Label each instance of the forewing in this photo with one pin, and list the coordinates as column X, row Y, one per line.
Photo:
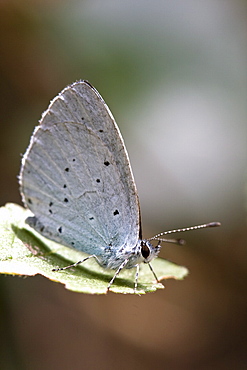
column 76, row 177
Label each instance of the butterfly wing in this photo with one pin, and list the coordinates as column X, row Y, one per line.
column 76, row 176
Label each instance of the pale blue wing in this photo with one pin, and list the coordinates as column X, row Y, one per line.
column 76, row 176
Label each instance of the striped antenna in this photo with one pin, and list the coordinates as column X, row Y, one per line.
column 181, row 241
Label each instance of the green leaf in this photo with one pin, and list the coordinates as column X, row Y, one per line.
column 25, row 252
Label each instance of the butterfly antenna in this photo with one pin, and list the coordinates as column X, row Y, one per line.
column 181, row 241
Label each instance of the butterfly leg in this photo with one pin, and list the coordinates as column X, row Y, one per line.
column 154, row 274
column 116, row 273
column 74, row 264
column 136, row 277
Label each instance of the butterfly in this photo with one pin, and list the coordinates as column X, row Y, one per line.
column 77, row 180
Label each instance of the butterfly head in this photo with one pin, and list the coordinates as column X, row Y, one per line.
column 148, row 251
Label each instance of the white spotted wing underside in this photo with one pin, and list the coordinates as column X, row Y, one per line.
column 76, row 177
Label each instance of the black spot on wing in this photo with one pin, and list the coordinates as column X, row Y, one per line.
column 50, row 205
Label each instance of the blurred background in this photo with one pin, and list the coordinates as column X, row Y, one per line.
column 174, row 75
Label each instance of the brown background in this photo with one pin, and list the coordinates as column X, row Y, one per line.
column 148, row 60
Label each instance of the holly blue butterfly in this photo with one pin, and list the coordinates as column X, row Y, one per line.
column 77, row 181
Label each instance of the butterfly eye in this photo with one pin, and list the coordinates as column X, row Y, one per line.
column 145, row 250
